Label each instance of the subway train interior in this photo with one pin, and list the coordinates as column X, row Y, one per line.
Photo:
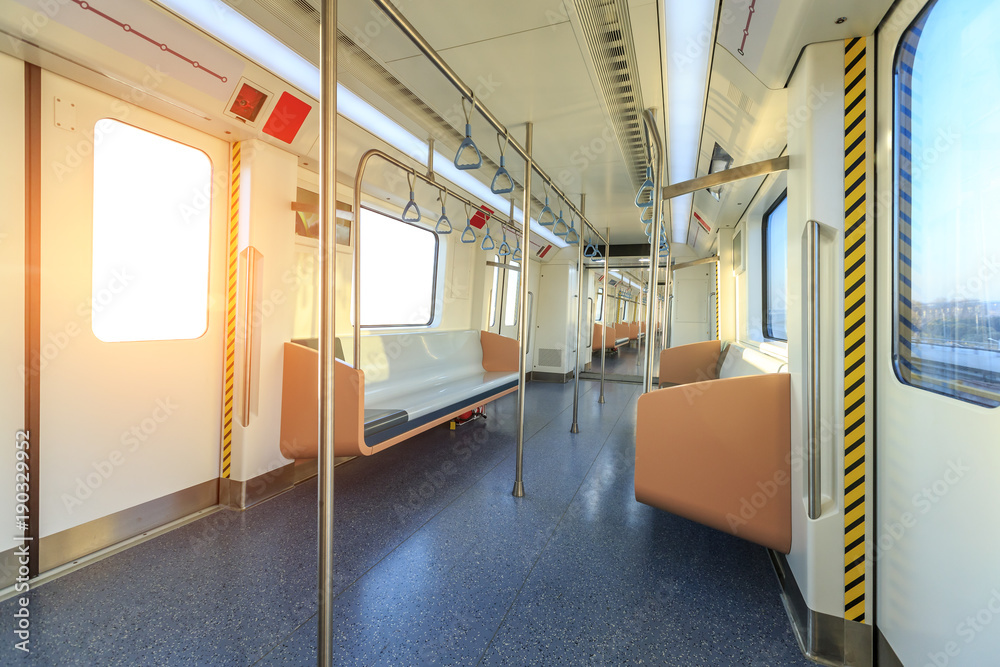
column 399, row 332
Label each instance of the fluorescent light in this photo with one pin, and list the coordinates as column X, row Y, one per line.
column 687, row 82
column 229, row 26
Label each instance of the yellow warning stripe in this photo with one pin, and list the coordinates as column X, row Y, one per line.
column 230, row 356
column 717, row 293
column 855, row 326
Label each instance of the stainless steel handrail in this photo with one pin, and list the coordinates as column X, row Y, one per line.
column 467, row 92
column 590, row 322
column 814, row 469
column 653, row 133
column 604, row 319
column 328, row 330
column 575, row 428
column 531, row 302
column 522, row 320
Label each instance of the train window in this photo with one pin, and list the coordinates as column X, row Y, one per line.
column 494, row 296
column 398, row 272
column 513, row 284
column 152, row 222
column 947, row 242
column 600, row 304
column 775, row 244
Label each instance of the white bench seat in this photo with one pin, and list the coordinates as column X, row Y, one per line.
column 407, row 383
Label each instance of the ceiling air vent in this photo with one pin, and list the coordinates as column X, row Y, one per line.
column 740, row 99
column 608, row 32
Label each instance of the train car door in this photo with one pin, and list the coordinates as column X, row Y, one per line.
column 132, row 305
column 693, row 319
column 938, row 359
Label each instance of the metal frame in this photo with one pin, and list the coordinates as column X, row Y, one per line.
column 359, row 178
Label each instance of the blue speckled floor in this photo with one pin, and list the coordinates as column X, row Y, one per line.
column 438, row 564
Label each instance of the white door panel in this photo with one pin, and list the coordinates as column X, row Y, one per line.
column 938, row 585
column 123, row 423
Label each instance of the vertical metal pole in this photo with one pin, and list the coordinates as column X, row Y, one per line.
column 654, row 242
column 328, row 331
column 522, row 318
column 575, row 428
column 668, row 299
column 604, row 313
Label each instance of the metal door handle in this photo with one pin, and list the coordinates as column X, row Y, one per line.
column 813, row 435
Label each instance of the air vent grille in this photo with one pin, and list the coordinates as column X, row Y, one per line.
column 550, row 357
column 740, row 99
column 608, row 32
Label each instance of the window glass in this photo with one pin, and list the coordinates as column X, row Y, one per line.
column 947, row 184
column 152, row 224
column 600, row 304
column 494, row 295
column 776, row 268
column 398, row 272
column 513, row 284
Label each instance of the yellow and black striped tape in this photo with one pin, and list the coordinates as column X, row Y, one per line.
column 855, row 292
column 718, row 292
column 230, row 354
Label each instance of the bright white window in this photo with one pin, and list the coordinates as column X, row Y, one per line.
column 494, row 296
column 513, row 288
column 152, row 223
column 398, row 272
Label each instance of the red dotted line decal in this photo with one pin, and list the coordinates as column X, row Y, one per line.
column 163, row 47
column 746, row 30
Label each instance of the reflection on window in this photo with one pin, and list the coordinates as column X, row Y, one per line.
column 494, row 295
column 398, row 272
column 306, row 284
column 947, row 185
column 513, row 284
column 152, row 223
column 600, row 304
column 776, row 268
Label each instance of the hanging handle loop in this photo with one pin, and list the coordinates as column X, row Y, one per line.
column 492, row 245
column 443, row 222
column 412, row 212
column 547, row 217
column 468, row 234
column 474, row 160
column 644, row 197
column 502, row 182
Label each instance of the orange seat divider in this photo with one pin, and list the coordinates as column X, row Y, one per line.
column 719, row 453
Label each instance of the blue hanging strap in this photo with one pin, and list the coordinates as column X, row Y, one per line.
column 560, row 228
column 443, row 221
column 468, row 234
column 468, row 145
column 645, row 191
column 489, row 238
column 502, row 182
column 412, row 212
column 516, row 255
column 546, row 211
column 646, row 219
column 504, row 250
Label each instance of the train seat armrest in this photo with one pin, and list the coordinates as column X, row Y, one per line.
column 719, row 453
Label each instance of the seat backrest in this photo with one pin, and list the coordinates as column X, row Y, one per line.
column 399, row 363
column 738, row 361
